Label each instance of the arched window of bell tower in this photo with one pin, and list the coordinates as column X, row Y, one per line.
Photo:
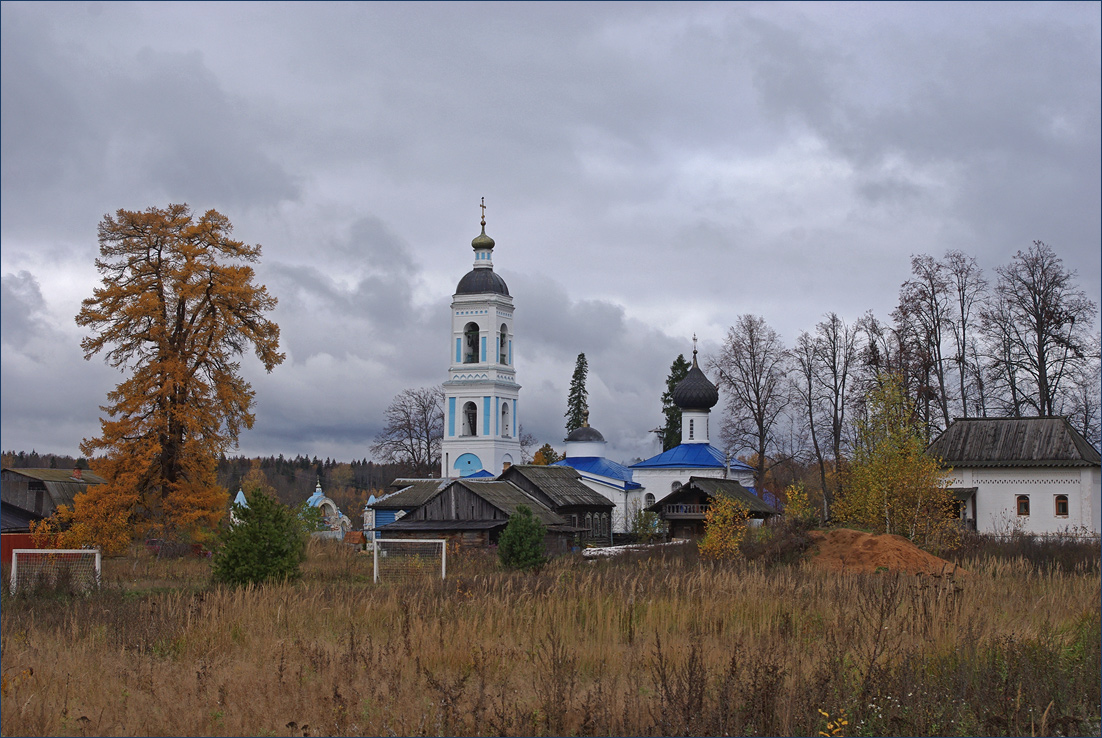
column 505, row 420
column 470, row 343
column 503, row 345
column 470, row 419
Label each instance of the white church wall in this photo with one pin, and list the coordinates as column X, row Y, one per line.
column 660, row 482
column 998, row 490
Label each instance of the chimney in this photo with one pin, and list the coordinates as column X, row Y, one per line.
column 76, row 474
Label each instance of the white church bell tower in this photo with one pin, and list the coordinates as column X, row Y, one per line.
column 480, row 394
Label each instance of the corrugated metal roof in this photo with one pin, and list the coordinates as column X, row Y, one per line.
column 561, row 483
column 57, row 475
column 730, row 488
column 1013, row 442
column 15, row 519
column 602, row 467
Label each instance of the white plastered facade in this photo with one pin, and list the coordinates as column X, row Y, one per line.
column 998, row 493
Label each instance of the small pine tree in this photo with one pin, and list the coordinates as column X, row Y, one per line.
column 671, row 431
column 577, row 402
column 267, row 544
column 521, row 543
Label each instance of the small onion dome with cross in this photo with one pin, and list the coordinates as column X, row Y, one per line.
column 482, row 278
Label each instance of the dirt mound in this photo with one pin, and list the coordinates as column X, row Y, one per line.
column 843, row 549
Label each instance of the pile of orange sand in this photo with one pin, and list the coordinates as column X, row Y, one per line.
column 843, row 549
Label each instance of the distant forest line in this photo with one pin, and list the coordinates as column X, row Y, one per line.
column 349, row 484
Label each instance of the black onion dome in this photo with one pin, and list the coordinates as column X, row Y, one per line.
column 478, row 281
column 585, row 433
column 695, row 391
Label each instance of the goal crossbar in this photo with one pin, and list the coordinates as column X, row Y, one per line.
column 384, row 547
column 32, row 566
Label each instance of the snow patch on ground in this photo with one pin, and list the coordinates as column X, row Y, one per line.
column 596, row 553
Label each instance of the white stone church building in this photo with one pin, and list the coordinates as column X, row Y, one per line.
column 481, row 399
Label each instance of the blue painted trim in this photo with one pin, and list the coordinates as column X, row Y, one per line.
column 459, row 351
column 483, row 347
column 497, row 416
column 510, row 352
column 486, row 416
column 451, row 416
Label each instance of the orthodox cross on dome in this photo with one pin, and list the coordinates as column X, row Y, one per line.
column 694, row 349
column 483, row 206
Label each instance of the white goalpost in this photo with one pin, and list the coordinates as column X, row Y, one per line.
column 404, row 558
column 72, row 568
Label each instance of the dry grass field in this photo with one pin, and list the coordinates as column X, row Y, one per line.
column 649, row 644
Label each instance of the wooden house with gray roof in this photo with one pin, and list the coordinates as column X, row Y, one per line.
column 684, row 509
column 1035, row 475
column 474, row 512
column 561, row 489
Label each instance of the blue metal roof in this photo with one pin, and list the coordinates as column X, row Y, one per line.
column 600, row 466
column 480, row 474
column 690, row 456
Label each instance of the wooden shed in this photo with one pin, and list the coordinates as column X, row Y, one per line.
column 561, row 488
column 474, row 512
column 685, row 509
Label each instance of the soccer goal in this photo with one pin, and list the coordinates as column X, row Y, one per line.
column 74, row 569
column 399, row 559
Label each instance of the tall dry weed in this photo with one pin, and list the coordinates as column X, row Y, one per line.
column 653, row 644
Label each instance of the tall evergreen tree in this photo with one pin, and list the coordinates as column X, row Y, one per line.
column 671, row 431
column 577, row 402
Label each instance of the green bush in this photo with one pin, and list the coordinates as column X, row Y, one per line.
column 266, row 544
column 521, row 543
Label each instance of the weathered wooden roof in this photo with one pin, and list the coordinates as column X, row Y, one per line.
column 414, row 494
column 562, row 484
column 1017, row 442
column 731, row 488
column 506, row 496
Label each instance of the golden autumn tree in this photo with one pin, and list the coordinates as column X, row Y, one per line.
column 177, row 308
column 725, row 524
column 892, row 485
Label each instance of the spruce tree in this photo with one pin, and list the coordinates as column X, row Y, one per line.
column 671, row 431
column 577, row 402
column 521, row 543
column 266, row 544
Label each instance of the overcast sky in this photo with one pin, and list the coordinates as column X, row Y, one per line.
column 650, row 171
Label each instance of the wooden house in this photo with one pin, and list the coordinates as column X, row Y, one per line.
column 404, row 495
column 1034, row 475
column 684, row 509
column 475, row 512
column 562, row 489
